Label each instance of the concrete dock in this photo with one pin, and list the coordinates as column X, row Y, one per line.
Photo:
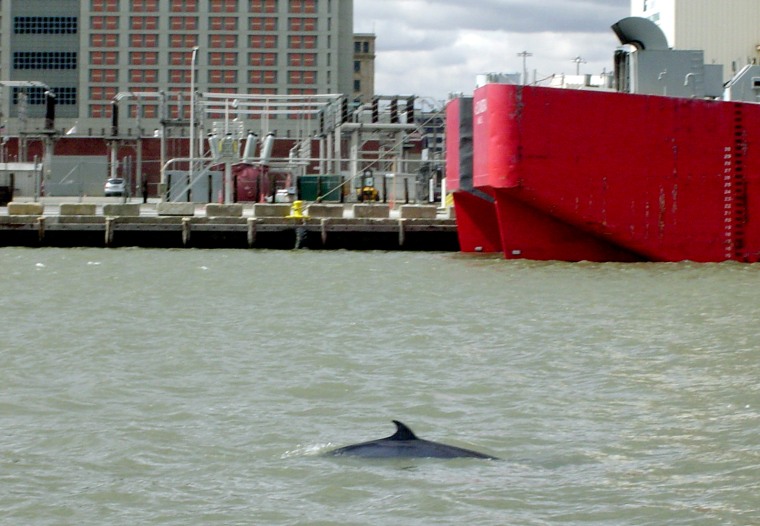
column 115, row 222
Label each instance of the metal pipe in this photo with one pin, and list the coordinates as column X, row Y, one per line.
column 192, row 111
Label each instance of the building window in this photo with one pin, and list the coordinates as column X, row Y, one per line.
column 45, row 60
column 308, row 60
column 302, row 41
column 104, row 75
column 143, row 22
column 223, row 23
column 302, row 6
column 262, row 76
column 262, row 23
column 183, row 6
column 302, row 24
column 357, row 85
column 110, row 6
column 45, row 25
column 143, row 58
column 262, row 41
column 189, row 23
column 144, row 6
column 222, row 41
column 223, row 6
column 104, row 22
column 104, row 40
column 98, row 111
column 262, row 59
column 261, row 91
column 263, row 6
column 110, row 58
column 102, row 93
column 302, row 77
column 143, row 40
column 143, row 75
column 182, row 41
column 179, row 76
column 222, row 76
column 180, row 58
column 222, row 59
column 357, row 66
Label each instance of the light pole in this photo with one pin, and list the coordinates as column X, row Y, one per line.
column 192, row 114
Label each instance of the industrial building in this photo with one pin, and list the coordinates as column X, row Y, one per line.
column 89, row 51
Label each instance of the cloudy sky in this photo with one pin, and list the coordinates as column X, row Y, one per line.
column 436, row 47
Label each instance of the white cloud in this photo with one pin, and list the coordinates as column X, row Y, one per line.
column 433, row 48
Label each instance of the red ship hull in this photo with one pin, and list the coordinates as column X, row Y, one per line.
column 583, row 175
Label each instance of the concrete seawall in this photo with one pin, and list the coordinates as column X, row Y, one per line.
column 219, row 226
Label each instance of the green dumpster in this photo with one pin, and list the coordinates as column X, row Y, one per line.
column 328, row 187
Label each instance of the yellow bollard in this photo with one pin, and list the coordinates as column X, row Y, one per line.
column 296, row 210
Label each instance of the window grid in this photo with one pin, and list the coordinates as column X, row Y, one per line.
column 36, row 96
column 45, row 25
column 45, row 60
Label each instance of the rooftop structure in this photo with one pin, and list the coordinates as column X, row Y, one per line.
column 364, row 67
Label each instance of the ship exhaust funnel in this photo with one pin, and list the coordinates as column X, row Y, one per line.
column 641, row 33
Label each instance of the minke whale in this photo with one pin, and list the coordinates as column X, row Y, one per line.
column 405, row 444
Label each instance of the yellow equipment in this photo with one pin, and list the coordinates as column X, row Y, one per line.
column 367, row 190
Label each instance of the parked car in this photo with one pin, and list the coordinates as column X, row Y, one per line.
column 115, row 186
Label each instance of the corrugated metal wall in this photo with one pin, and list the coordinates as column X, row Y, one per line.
column 728, row 30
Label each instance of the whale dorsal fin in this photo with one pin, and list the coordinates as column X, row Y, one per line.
column 402, row 432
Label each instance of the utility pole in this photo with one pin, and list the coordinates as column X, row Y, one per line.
column 578, row 61
column 525, row 55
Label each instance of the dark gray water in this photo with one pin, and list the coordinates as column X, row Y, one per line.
column 200, row 387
